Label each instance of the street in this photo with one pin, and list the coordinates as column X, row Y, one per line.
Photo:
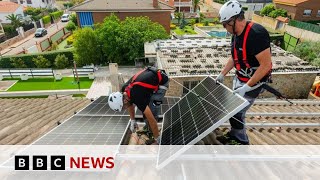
column 31, row 40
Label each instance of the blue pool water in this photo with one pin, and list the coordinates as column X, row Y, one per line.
column 217, row 33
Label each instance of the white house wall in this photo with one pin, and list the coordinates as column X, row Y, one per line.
column 38, row 3
column 3, row 15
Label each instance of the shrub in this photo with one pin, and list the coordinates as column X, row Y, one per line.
column 57, row 14
column 54, row 46
column 61, row 61
column 70, row 40
column 173, row 26
column 9, row 29
column 27, row 58
column 309, row 51
column 68, row 4
column 17, row 63
column 206, row 23
column 41, row 62
column 192, row 22
column 46, row 19
column 71, row 26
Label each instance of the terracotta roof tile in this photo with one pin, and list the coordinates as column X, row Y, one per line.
column 289, row 2
column 8, row 7
column 124, row 5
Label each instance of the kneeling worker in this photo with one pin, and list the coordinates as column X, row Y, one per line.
column 146, row 90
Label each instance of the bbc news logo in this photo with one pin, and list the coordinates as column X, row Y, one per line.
column 59, row 162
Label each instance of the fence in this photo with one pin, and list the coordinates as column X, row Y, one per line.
column 56, row 37
column 305, row 26
column 8, row 36
column 290, row 42
column 28, row 27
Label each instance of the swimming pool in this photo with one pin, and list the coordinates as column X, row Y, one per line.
column 221, row 34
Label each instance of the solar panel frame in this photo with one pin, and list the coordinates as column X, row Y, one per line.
column 176, row 108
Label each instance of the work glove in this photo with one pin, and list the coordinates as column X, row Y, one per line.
column 220, row 78
column 242, row 90
column 157, row 141
column 133, row 126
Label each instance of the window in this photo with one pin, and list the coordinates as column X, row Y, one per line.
column 29, row 2
column 318, row 14
column 188, row 85
column 307, row 12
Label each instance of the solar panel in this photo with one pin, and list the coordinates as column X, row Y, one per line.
column 168, row 102
column 100, row 107
column 87, row 130
column 198, row 113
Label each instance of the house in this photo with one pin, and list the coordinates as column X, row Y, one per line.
column 254, row 5
column 35, row 3
column 8, row 8
column 95, row 11
column 183, row 5
column 300, row 10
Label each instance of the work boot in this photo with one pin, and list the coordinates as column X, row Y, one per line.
column 228, row 139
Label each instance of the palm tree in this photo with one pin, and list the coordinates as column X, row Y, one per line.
column 178, row 15
column 15, row 20
column 195, row 5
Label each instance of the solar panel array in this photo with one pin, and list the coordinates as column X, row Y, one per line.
column 96, row 124
column 202, row 110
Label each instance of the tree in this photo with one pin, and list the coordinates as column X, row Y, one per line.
column 201, row 17
column 15, row 20
column 123, row 42
column 183, row 23
column 17, row 63
column 86, row 44
column 41, row 62
column 61, row 61
column 73, row 18
column 71, row 26
column 267, row 10
column 195, row 5
column 278, row 12
column 178, row 15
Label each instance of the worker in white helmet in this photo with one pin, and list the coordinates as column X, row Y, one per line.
column 251, row 57
column 146, row 90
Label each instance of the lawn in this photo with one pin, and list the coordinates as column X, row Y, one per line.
column 186, row 30
column 34, row 84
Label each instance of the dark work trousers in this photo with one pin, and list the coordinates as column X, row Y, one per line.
column 237, row 122
column 155, row 102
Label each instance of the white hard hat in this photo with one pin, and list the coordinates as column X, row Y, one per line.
column 229, row 9
column 115, row 101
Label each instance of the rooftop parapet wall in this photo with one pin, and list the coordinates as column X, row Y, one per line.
column 291, row 85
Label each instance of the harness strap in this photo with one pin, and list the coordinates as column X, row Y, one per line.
column 244, row 49
column 146, row 85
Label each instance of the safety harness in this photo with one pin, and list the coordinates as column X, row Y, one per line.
column 146, row 85
column 244, row 74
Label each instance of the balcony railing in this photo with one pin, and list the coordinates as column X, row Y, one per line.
column 185, row 4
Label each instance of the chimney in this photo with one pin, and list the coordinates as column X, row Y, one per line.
column 155, row 3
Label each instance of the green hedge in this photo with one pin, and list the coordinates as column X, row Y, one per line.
column 27, row 58
column 46, row 19
column 57, row 14
column 305, row 26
